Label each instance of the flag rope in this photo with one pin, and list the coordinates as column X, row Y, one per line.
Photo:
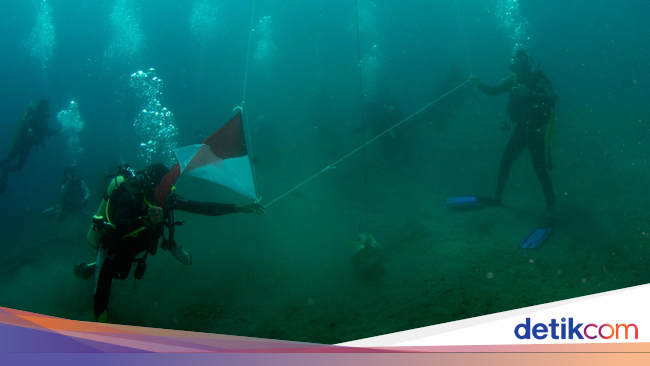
column 248, row 51
column 333, row 165
column 249, row 142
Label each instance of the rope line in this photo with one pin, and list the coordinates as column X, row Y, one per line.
column 333, row 165
column 363, row 116
column 243, row 101
column 248, row 51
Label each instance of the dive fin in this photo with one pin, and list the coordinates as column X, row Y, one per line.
column 536, row 237
column 102, row 318
column 469, row 202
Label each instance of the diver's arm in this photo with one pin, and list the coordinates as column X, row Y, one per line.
column 177, row 202
column 504, row 86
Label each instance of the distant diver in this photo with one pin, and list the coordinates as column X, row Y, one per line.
column 530, row 107
column 133, row 224
column 74, row 195
column 32, row 131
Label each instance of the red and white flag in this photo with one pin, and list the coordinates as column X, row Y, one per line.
column 222, row 158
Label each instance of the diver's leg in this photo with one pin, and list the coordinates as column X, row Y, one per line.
column 123, row 267
column 4, row 178
column 103, row 280
column 536, row 147
column 515, row 146
column 15, row 151
column 102, row 293
column 108, row 267
column 22, row 159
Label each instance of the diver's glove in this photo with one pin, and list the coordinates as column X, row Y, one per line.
column 252, row 207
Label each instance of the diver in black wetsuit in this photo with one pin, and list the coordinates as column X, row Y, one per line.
column 74, row 194
column 530, row 108
column 137, row 226
column 32, row 131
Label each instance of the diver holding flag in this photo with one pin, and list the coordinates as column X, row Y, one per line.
column 138, row 206
column 135, row 224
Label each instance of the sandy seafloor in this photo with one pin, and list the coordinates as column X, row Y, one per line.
column 287, row 274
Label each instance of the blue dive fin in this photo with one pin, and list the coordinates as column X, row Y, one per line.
column 468, row 202
column 462, row 201
column 536, row 237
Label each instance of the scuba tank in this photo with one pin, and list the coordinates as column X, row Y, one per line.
column 96, row 230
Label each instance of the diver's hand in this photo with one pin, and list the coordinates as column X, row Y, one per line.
column 250, row 208
column 474, row 80
column 154, row 216
column 521, row 91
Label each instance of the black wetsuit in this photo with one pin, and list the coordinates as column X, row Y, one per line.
column 32, row 131
column 117, row 251
column 530, row 114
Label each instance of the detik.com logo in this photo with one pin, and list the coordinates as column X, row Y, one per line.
column 569, row 330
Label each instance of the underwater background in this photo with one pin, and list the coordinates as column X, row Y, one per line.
column 288, row 274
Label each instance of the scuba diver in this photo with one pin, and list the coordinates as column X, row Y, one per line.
column 530, row 108
column 74, row 195
column 32, row 131
column 134, row 224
